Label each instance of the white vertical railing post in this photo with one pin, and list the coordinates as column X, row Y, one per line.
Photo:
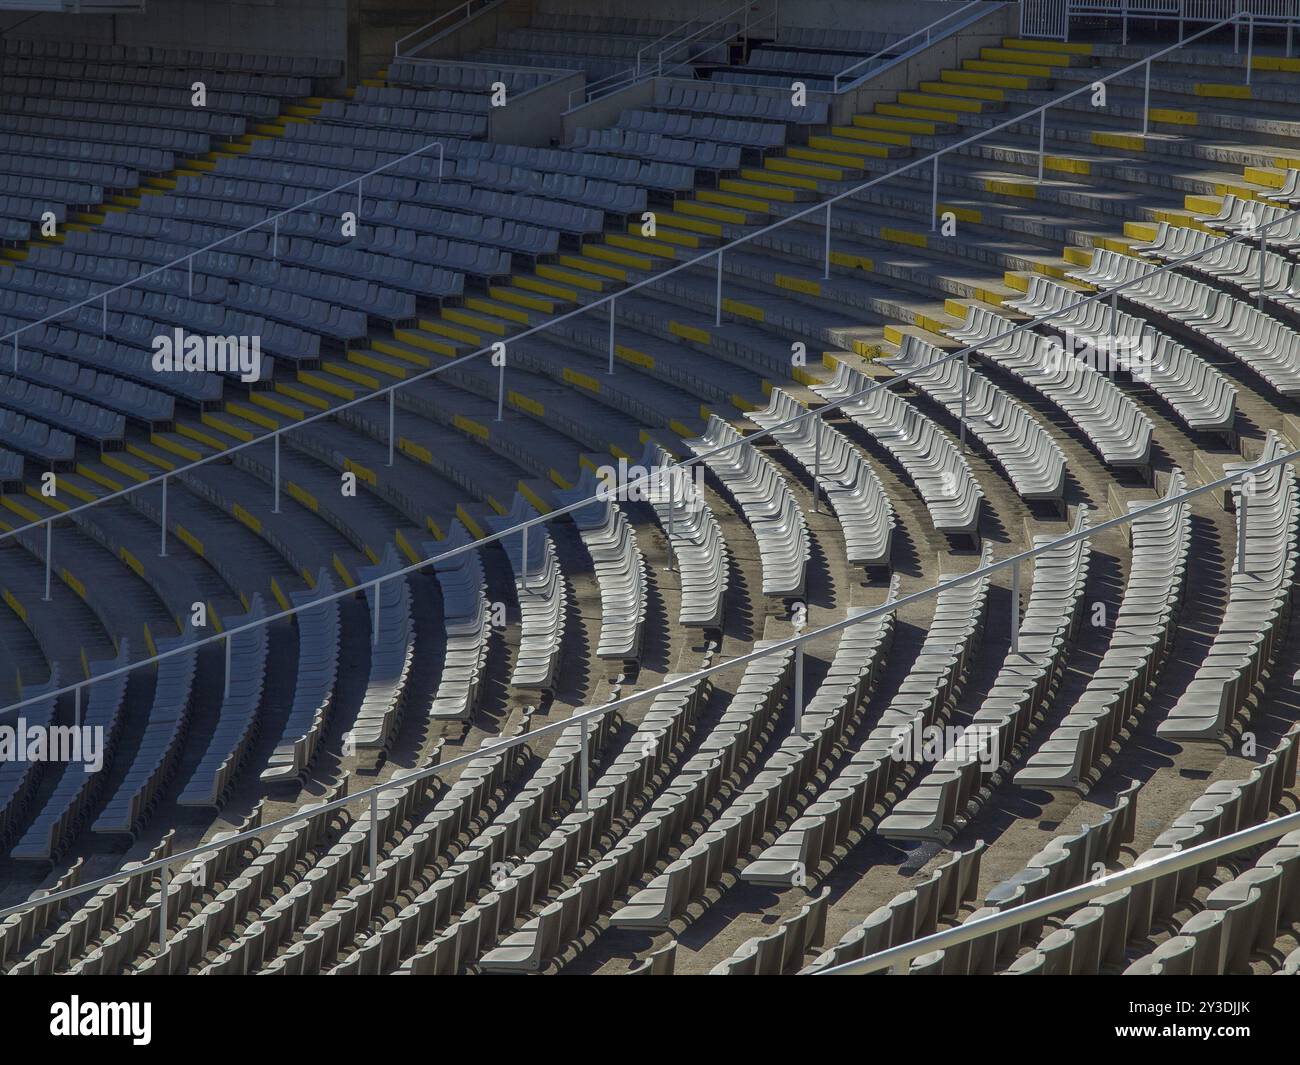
column 162, row 545
column 275, row 506
column 1242, row 506
column 1042, row 141
column 965, row 388
column 717, row 315
column 1015, row 608
column 374, row 832
column 584, row 769
column 189, row 264
column 392, row 423
column 826, row 263
column 275, row 239
column 49, row 551
column 162, row 910
column 611, row 335
column 229, row 660
column 103, row 321
column 1250, row 46
column 377, row 589
column 798, row 687
column 817, row 462
column 501, row 389
column 672, row 506
column 934, row 196
column 1259, row 296
column 523, row 568
column 1146, row 99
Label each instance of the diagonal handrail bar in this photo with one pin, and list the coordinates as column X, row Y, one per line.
column 714, row 253
column 643, row 479
column 685, row 680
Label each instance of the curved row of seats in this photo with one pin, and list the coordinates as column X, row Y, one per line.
column 861, row 505
column 922, row 699
column 929, row 458
column 1259, row 603
column 1112, row 423
column 1017, row 441
column 942, row 799
column 1260, row 342
column 1142, row 638
column 765, row 500
column 1201, row 396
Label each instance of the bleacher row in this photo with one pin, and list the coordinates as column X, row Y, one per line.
column 711, row 789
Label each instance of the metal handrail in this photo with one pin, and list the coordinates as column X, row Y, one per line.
column 898, row 957
column 676, row 683
column 522, row 527
column 715, row 24
column 469, row 13
column 890, row 51
column 714, row 253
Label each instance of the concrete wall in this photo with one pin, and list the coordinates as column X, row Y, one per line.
column 281, row 27
column 481, row 31
column 535, row 117
column 602, row 113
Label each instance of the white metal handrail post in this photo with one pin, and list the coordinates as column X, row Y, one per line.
column 898, row 957
column 891, row 604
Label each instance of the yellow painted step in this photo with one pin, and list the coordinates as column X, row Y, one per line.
column 397, row 349
column 346, row 371
column 618, row 256
column 182, row 447
column 426, row 339
column 581, row 264
column 966, row 92
column 862, row 135
column 930, row 105
column 482, row 323
column 708, row 210
column 1021, row 55
column 156, row 459
column 232, row 425
column 546, row 288
column 1024, row 70
column 887, row 122
column 253, row 413
column 1214, row 91
column 1289, row 65
column 380, row 364
column 326, row 383
column 204, row 436
column 852, row 160
column 449, row 330
column 572, row 278
column 984, row 79
column 641, row 244
column 744, row 203
column 668, row 236
column 755, row 189
column 498, row 309
column 1024, row 44
column 275, row 402
column 126, row 465
column 309, row 397
column 794, row 172
column 689, row 222
column 528, row 300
